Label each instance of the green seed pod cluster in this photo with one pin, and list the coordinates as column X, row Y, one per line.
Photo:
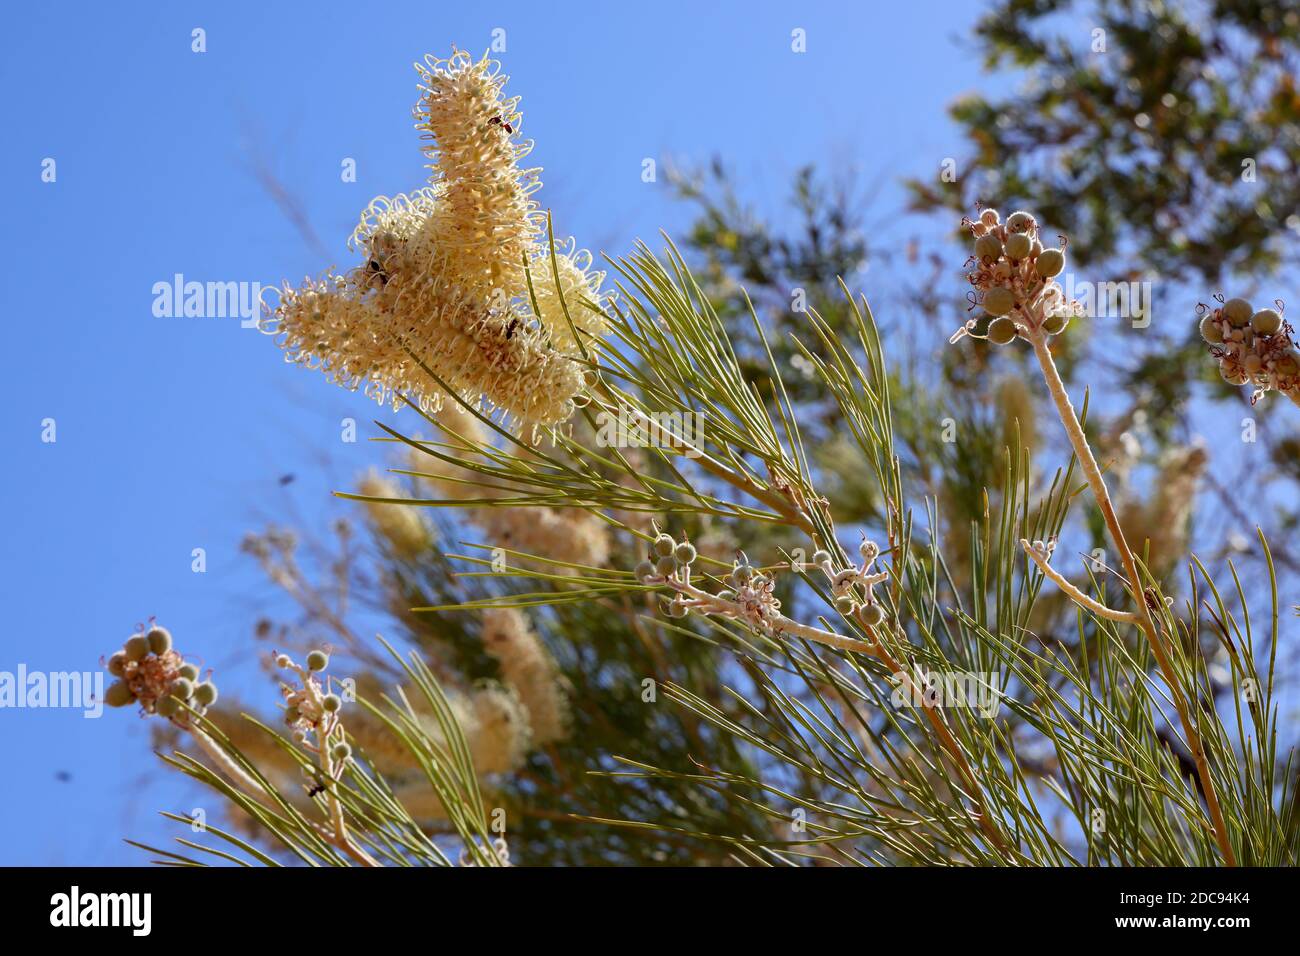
column 1252, row 347
column 151, row 673
column 1013, row 271
column 667, row 558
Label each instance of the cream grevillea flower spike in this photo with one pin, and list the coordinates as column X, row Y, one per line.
column 444, row 284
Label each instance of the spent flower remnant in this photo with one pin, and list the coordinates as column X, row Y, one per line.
column 457, row 278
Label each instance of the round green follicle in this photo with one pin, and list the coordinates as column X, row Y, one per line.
column 1018, row 245
column 1020, row 222
column 117, row 664
column 1001, row 331
column 1211, row 330
column 160, row 640
column 999, row 300
column 1266, row 322
column 644, row 571
column 118, row 694
column 317, row 661
column 873, row 615
column 1055, row 323
column 205, row 695
column 684, row 553
column 1238, row 312
column 988, row 247
column 664, row 545
column 1050, row 262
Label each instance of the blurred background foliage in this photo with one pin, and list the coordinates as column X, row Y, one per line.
column 1132, row 142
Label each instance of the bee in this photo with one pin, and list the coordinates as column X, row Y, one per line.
column 498, row 121
column 510, row 329
column 384, row 248
column 318, row 789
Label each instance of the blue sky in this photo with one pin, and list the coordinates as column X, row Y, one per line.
column 172, row 432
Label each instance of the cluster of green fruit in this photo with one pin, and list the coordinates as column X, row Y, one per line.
column 844, row 583
column 1013, row 275
column 667, row 558
column 1252, row 346
column 150, row 672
